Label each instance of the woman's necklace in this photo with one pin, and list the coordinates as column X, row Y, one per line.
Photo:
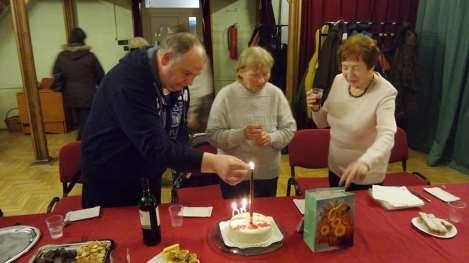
column 364, row 91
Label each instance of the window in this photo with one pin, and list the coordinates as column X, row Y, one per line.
column 172, row 3
column 192, row 22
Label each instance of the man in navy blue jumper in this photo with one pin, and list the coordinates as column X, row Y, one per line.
column 137, row 125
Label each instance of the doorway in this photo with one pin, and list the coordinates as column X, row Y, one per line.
column 157, row 22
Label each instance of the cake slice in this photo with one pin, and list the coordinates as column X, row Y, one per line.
column 434, row 224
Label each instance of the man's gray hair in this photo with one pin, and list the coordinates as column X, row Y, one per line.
column 181, row 43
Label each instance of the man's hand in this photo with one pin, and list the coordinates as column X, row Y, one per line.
column 356, row 170
column 263, row 139
column 229, row 168
column 252, row 131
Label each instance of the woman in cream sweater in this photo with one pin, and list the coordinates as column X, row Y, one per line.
column 251, row 119
column 360, row 112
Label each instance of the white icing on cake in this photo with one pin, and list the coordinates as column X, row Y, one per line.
column 241, row 231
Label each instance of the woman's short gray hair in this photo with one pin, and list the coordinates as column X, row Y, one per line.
column 254, row 58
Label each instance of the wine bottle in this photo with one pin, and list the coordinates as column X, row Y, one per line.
column 149, row 216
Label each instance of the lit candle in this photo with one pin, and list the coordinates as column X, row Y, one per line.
column 251, row 190
column 244, row 203
column 234, row 208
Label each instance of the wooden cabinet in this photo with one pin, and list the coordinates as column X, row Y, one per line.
column 53, row 112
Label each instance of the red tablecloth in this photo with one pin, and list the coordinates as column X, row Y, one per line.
column 380, row 235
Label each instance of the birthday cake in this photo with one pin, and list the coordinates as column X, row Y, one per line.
column 242, row 231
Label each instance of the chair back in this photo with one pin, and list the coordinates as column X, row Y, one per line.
column 400, row 151
column 309, row 148
column 69, row 165
column 200, row 143
column 198, row 178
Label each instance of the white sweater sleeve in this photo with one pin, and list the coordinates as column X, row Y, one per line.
column 386, row 128
column 220, row 135
column 286, row 125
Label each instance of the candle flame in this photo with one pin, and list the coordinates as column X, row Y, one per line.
column 244, row 202
column 234, row 206
column 251, row 165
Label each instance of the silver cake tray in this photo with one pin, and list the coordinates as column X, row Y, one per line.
column 16, row 241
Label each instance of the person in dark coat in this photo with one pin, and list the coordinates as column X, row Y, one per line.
column 137, row 125
column 81, row 73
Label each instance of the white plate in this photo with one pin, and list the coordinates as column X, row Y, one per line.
column 422, row 227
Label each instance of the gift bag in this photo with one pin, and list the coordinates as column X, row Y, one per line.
column 329, row 218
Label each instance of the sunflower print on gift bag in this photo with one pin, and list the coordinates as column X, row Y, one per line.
column 335, row 228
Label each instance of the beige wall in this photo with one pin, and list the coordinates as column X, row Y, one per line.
column 224, row 14
column 103, row 21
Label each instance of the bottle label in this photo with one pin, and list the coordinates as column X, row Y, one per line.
column 157, row 212
column 145, row 218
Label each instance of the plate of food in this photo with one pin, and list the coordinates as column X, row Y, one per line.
column 175, row 253
column 434, row 226
column 98, row 251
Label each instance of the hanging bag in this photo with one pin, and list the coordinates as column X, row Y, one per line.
column 58, row 84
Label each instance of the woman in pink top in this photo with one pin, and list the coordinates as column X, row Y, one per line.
column 360, row 112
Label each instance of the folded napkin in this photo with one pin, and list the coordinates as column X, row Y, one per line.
column 395, row 197
column 82, row 214
column 300, row 204
column 441, row 194
column 194, row 211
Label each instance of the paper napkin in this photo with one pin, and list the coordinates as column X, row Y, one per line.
column 188, row 211
column 300, row 204
column 82, row 214
column 441, row 194
column 395, row 197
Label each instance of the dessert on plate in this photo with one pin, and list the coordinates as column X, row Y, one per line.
column 242, row 231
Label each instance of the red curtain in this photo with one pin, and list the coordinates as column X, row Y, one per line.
column 316, row 12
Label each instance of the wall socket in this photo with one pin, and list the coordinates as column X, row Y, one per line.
column 123, row 42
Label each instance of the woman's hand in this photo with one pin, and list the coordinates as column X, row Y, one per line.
column 312, row 98
column 354, row 171
column 252, row 131
column 263, row 139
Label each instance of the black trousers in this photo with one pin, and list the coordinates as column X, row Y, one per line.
column 262, row 188
column 80, row 115
column 334, row 182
